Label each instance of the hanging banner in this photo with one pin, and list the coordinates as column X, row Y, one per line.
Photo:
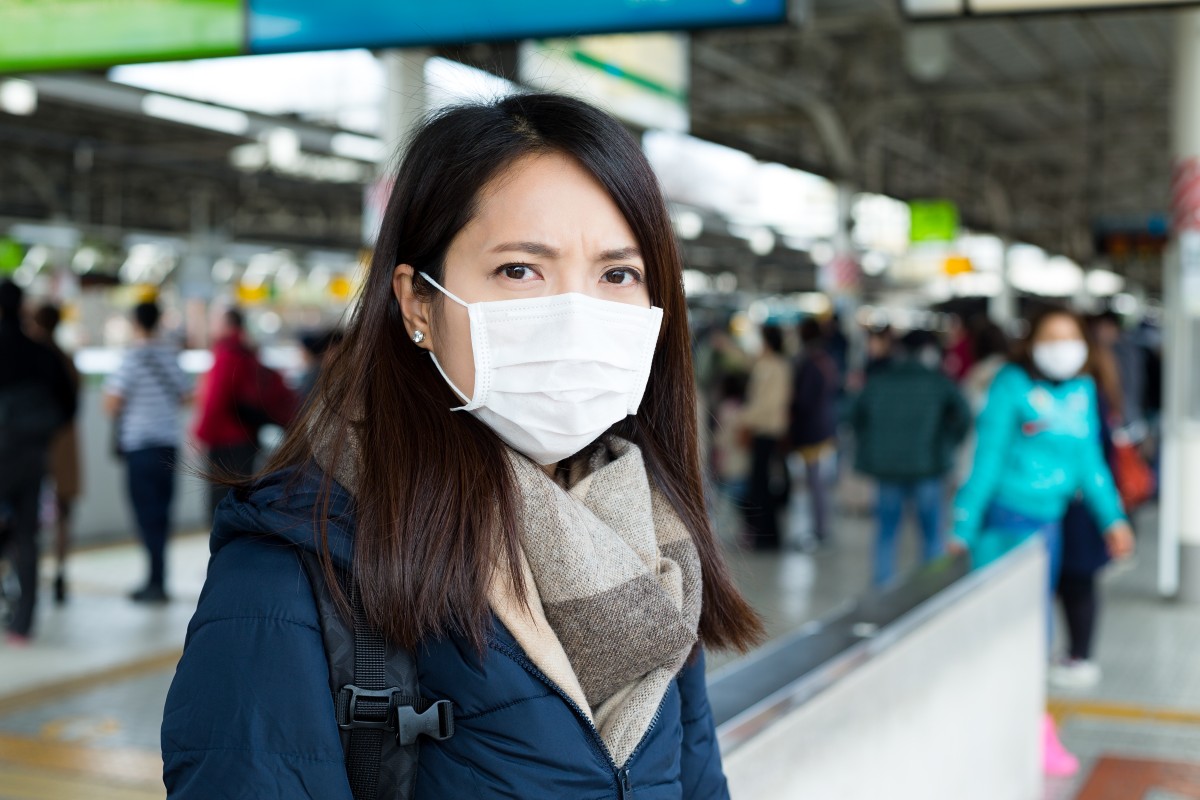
column 57, row 34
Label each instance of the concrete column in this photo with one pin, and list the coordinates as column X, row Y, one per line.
column 1179, row 518
column 1003, row 307
column 404, row 106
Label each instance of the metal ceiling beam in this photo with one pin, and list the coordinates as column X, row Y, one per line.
column 824, row 115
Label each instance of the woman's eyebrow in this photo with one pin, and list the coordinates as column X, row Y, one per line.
column 532, row 248
column 620, row 254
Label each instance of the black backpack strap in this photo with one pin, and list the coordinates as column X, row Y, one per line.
column 379, row 710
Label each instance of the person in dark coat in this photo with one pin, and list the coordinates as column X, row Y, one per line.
column 509, row 492
column 907, row 423
column 36, row 397
column 812, row 429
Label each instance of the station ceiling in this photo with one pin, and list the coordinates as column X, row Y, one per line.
column 1041, row 128
column 1044, row 128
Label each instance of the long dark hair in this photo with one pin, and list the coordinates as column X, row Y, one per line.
column 436, row 506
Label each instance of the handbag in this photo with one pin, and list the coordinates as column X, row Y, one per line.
column 1135, row 480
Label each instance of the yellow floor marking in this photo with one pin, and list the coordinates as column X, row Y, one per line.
column 1060, row 708
column 22, row 784
column 122, row 764
column 56, row 691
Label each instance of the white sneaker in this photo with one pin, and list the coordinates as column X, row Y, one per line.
column 1075, row 674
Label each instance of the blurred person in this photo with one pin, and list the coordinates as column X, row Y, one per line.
column 991, row 347
column 1039, row 444
column 879, row 348
column 64, row 463
column 730, row 456
column 36, row 399
column 765, row 421
column 837, row 345
column 488, row 509
column 907, row 423
column 315, row 347
column 143, row 397
column 237, row 397
column 1127, row 367
column 812, row 423
column 959, row 356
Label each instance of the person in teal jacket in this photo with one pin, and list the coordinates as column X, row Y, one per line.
column 1038, row 446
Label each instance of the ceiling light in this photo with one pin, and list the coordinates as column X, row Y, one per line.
column 201, row 115
column 363, row 148
column 18, row 97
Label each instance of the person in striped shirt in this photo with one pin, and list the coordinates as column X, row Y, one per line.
column 143, row 397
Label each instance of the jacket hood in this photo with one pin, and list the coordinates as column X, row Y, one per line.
column 284, row 505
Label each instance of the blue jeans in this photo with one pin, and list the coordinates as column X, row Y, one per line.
column 927, row 495
column 151, row 487
column 1004, row 529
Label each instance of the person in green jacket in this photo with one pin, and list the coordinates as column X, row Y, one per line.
column 1038, row 445
column 907, row 423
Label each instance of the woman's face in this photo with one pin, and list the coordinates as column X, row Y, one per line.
column 544, row 227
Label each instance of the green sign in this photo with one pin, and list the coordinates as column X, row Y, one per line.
column 932, row 221
column 50, row 34
column 11, row 256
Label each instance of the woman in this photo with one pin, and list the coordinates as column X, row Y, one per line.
column 1084, row 553
column 64, row 464
column 475, row 463
column 1037, row 446
column 765, row 421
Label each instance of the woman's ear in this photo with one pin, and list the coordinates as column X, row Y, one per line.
column 416, row 312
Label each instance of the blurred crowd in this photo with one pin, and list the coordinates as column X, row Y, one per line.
column 986, row 438
column 41, row 462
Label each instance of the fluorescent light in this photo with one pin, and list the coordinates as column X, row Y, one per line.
column 202, row 115
column 18, row 97
column 363, row 148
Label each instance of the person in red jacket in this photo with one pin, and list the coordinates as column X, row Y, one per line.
column 220, row 425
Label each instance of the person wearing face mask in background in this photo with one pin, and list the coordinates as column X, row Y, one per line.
column 908, row 422
column 501, row 470
column 1039, row 444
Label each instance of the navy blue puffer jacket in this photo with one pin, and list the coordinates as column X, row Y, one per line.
column 249, row 714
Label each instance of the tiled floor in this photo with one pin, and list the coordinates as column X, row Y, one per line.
column 79, row 711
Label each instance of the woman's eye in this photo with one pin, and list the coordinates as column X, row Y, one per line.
column 622, row 277
column 517, row 272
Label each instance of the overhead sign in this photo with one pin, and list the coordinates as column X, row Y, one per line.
column 52, row 34
column 289, row 25
column 641, row 78
column 932, row 221
column 936, row 9
column 57, row 34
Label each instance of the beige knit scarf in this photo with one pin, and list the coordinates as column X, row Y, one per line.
column 618, row 579
column 613, row 587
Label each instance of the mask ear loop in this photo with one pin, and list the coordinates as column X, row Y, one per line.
column 433, row 356
column 444, row 290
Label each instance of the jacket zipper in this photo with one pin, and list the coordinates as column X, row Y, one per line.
column 624, row 785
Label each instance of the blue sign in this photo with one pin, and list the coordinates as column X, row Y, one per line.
column 277, row 26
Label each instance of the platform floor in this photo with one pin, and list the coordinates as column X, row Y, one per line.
column 80, row 708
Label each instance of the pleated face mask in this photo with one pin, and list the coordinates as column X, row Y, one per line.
column 553, row 373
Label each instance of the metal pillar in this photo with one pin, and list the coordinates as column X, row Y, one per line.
column 1179, row 512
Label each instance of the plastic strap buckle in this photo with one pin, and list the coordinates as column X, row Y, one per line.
column 378, row 717
column 386, row 710
column 436, row 722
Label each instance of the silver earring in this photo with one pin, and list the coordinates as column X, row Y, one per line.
column 418, row 337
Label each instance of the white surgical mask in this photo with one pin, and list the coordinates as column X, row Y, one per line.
column 553, row 373
column 1061, row 360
